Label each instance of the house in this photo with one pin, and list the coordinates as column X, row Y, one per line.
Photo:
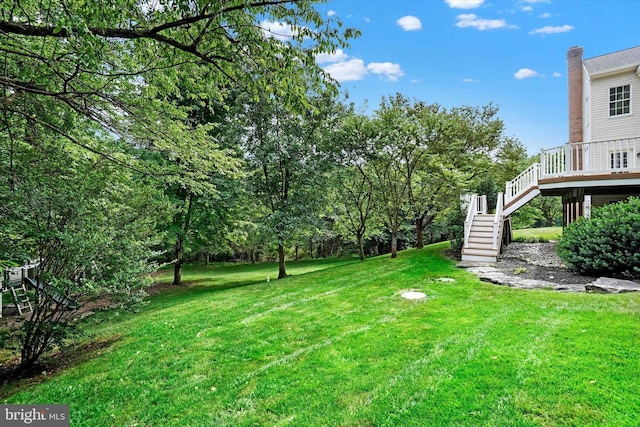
column 600, row 164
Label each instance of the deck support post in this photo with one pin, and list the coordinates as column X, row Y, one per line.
column 573, row 206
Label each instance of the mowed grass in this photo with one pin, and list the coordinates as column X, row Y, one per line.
column 543, row 234
column 340, row 346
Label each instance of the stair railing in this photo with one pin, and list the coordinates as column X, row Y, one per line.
column 497, row 221
column 477, row 205
column 521, row 183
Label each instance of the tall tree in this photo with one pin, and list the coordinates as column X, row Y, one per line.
column 287, row 167
column 352, row 183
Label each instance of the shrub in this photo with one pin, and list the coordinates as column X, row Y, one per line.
column 608, row 243
column 455, row 230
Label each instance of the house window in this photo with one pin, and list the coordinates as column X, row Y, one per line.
column 619, row 100
column 619, row 160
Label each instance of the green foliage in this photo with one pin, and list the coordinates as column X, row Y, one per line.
column 488, row 188
column 455, row 230
column 90, row 223
column 608, row 243
column 543, row 211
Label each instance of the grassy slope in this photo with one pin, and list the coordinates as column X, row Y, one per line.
column 341, row 347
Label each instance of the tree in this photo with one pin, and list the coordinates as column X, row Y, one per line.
column 95, row 57
column 88, row 222
column 352, row 184
column 287, row 168
column 211, row 192
column 392, row 146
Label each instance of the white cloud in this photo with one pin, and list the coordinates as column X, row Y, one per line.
column 525, row 73
column 331, row 12
column 366, row 19
column 557, row 74
column 337, row 56
column 464, row 4
column 470, row 80
column 545, row 15
column 346, row 71
column 470, row 20
column 409, row 23
column 278, row 30
column 388, row 69
column 354, row 69
column 537, row 1
column 527, row 9
column 552, row 30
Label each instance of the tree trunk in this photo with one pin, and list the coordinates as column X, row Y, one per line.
column 419, row 232
column 282, row 272
column 180, row 238
column 394, row 243
column 177, row 266
column 361, row 247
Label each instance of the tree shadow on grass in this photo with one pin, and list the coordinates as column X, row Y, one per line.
column 13, row 380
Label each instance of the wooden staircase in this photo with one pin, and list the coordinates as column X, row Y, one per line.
column 479, row 246
column 483, row 232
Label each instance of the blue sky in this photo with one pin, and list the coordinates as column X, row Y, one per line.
column 472, row 52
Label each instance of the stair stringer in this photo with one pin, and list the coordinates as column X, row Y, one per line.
column 521, row 200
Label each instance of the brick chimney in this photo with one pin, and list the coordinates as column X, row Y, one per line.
column 574, row 77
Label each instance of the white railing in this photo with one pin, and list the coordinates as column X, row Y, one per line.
column 521, row 183
column 477, row 205
column 591, row 158
column 497, row 221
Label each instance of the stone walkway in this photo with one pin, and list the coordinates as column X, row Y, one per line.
column 537, row 266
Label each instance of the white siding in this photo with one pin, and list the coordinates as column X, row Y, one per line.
column 586, row 106
column 603, row 127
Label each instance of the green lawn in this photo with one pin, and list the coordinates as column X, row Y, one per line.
column 543, row 234
column 339, row 346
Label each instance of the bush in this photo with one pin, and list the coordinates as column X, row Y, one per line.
column 455, row 230
column 608, row 243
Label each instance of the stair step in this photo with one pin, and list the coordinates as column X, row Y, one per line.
column 480, row 240
column 480, row 251
column 480, row 247
column 481, row 233
column 479, row 258
column 482, row 229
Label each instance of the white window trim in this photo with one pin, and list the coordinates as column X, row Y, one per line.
column 616, row 116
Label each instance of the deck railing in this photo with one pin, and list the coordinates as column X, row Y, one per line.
column 591, row 158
